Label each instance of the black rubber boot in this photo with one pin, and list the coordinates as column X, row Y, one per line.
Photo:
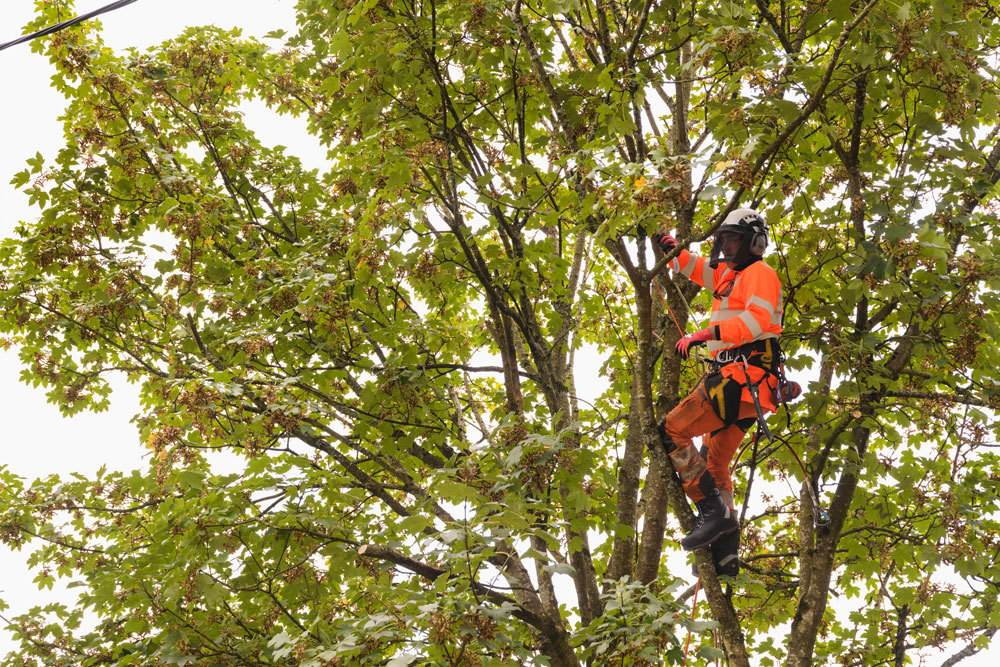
column 726, row 549
column 713, row 521
column 725, row 553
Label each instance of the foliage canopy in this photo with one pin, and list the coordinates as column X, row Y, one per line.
column 391, row 344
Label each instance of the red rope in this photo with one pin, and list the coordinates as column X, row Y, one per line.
column 740, row 453
column 687, row 644
column 669, row 309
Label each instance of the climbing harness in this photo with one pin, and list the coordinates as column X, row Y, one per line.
column 66, row 24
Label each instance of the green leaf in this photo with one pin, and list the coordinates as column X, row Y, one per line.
column 455, row 491
column 710, row 653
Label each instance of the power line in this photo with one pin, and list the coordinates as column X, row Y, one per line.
column 66, row 24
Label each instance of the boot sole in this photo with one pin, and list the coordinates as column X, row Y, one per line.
column 709, row 542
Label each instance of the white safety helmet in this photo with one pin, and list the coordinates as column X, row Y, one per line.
column 740, row 240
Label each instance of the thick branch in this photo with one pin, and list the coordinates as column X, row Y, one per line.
column 775, row 26
column 640, row 30
column 935, row 396
column 431, row 572
column 565, row 127
column 969, row 650
column 899, row 649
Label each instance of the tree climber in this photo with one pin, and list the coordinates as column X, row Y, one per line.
column 742, row 340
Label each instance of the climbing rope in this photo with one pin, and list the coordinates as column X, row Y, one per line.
column 820, row 517
column 663, row 298
column 66, row 24
column 687, row 644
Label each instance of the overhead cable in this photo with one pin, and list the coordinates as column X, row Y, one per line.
column 66, row 24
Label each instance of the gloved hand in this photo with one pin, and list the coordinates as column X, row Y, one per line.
column 665, row 440
column 684, row 345
column 665, row 241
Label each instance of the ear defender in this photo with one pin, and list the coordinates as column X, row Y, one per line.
column 755, row 224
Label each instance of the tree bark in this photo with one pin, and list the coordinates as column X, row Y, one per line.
column 623, row 553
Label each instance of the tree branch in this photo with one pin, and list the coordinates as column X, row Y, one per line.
column 970, row 650
column 431, row 573
column 817, row 95
column 935, row 396
column 775, row 26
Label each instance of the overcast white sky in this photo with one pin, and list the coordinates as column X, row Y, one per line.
column 37, row 440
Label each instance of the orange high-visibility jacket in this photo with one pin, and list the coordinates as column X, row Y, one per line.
column 747, row 307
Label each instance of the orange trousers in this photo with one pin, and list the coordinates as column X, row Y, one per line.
column 695, row 417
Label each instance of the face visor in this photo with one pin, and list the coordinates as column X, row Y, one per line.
column 726, row 248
